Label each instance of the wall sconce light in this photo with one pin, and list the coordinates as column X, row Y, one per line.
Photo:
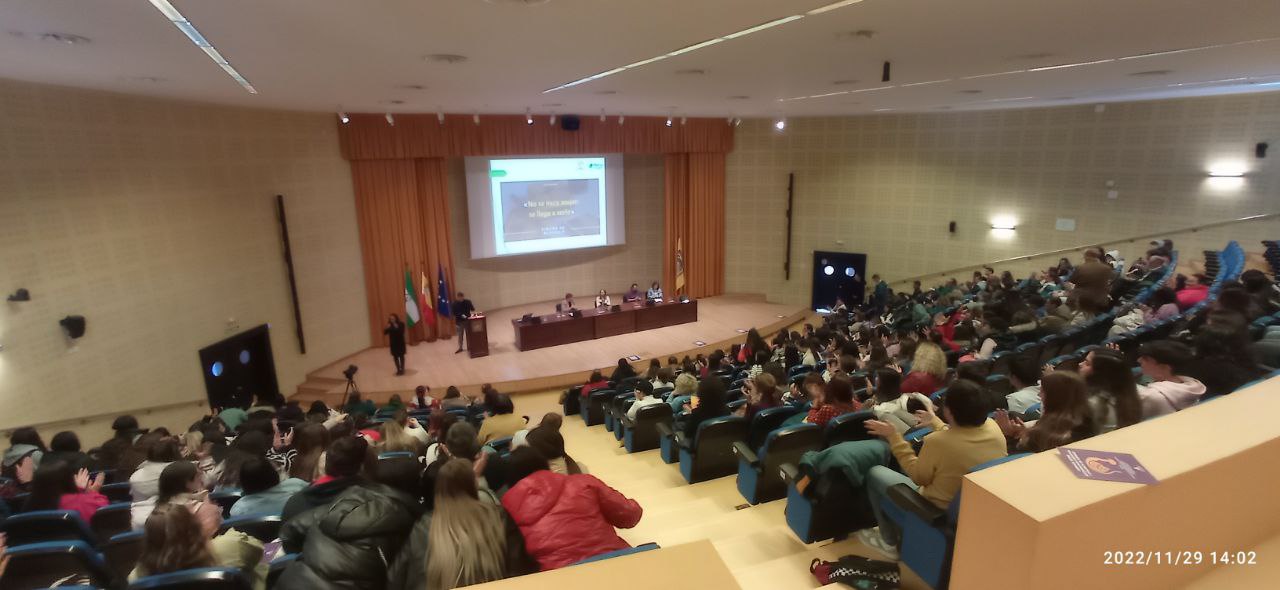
column 1227, row 170
column 1005, row 224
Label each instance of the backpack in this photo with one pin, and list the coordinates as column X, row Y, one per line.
column 857, row 572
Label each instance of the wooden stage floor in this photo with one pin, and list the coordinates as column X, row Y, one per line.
column 511, row 371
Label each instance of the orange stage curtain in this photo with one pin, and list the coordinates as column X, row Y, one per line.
column 369, row 137
column 694, row 220
column 403, row 212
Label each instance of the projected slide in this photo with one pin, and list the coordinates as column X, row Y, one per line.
column 537, row 209
column 544, row 204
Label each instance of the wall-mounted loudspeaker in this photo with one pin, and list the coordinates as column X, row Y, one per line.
column 570, row 122
column 951, row 227
column 1260, row 150
column 74, row 325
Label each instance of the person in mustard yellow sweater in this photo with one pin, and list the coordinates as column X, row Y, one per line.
column 946, row 456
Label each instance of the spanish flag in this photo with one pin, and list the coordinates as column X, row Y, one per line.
column 679, row 265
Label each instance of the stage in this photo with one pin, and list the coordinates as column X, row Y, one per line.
column 511, row 371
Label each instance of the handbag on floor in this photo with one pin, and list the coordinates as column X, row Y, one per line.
column 857, row 572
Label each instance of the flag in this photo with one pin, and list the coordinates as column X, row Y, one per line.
column 410, row 300
column 443, row 291
column 428, row 313
column 679, row 265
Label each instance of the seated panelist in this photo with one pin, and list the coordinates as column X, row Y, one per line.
column 632, row 294
column 602, row 299
column 655, row 292
column 566, row 304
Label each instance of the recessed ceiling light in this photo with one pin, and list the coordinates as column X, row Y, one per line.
column 606, row 92
column 445, row 58
column 691, row 72
column 883, row 110
column 393, row 101
column 970, row 92
column 411, row 87
column 1152, row 73
column 739, row 97
column 67, row 38
column 844, row 82
column 1031, row 56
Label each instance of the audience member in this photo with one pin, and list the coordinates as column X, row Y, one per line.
column 928, row 370
column 309, row 440
column 126, row 431
column 1113, row 390
column 144, row 484
column 595, row 382
column 762, row 394
column 622, row 371
column 550, row 445
column 342, row 464
column 1192, row 291
column 57, row 487
column 1222, row 360
column 453, row 399
column 1163, row 361
column 887, row 401
column 174, row 539
column 1066, row 416
column 835, row 399
column 65, row 446
column 502, row 421
column 565, row 518
column 261, row 488
column 946, row 456
column 1024, row 374
column 644, row 399
column 707, row 404
column 180, row 483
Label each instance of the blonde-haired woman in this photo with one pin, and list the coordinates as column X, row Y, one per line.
column 396, row 436
column 928, row 370
column 466, row 539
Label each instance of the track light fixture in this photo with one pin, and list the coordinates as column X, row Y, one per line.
column 475, row 119
column 684, row 120
column 343, row 118
column 440, row 116
column 668, row 120
column 553, row 119
column 780, row 124
column 391, row 120
column 528, row 117
column 602, row 115
column 621, row 118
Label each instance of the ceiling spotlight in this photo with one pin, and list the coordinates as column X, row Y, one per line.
column 737, row 121
column 602, row 115
column 668, row 120
column 553, row 119
column 440, row 116
column 475, row 118
column 528, row 117
column 684, row 120
column 344, row 118
column 728, row 120
column 780, row 124
column 621, row 118
column 391, row 120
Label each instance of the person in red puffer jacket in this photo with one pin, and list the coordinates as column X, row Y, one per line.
column 564, row 518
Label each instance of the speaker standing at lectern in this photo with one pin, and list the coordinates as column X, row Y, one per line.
column 462, row 309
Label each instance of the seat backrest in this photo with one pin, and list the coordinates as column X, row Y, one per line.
column 111, row 519
column 720, row 431
column 653, row 414
column 766, row 421
column 209, row 578
column 999, row 384
column 39, row 565
column 263, row 527
column 117, row 492
column 122, row 553
column 953, row 509
column 847, row 427
column 46, row 525
column 791, row 438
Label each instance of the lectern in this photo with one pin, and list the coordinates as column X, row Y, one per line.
column 477, row 336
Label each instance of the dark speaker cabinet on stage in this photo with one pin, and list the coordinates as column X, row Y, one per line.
column 477, row 336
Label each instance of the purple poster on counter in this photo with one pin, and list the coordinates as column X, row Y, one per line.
column 1105, row 466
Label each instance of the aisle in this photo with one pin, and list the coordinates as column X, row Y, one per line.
column 754, row 542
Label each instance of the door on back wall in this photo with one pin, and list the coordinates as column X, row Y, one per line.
column 238, row 368
column 838, row 274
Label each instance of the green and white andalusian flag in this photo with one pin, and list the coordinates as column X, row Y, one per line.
column 411, row 311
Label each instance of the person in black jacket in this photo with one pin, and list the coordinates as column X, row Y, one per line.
column 462, row 309
column 352, row 542
column 343, row 460
column 711, row 404
column 395, row 332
